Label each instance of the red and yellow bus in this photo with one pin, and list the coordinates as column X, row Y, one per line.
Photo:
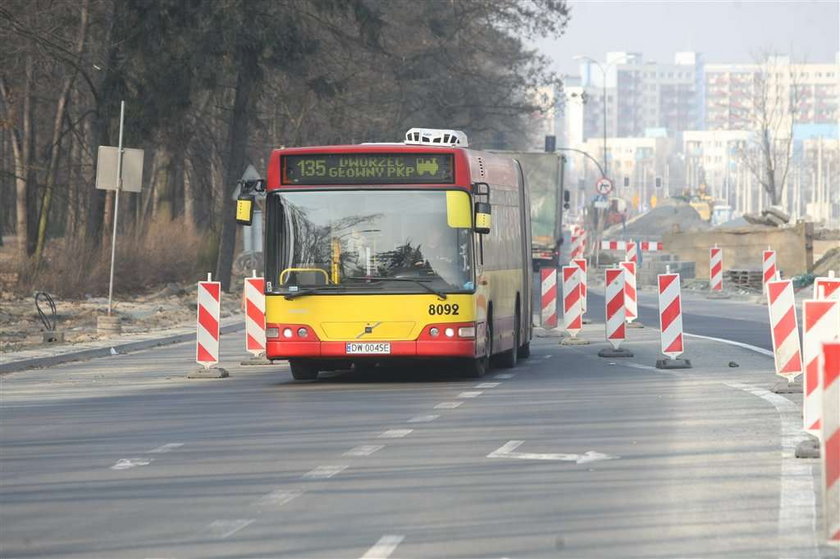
column 378, row 253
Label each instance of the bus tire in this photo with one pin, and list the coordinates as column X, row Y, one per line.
column 303, row 369
column 525, row 350
column 477, row 368
column 509, row 358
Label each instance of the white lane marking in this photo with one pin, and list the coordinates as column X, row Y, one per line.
column 395, row 433
column 324, row 472
column 448, row 405
column 507, row 451
column 760, row 350
column 166, row 448
column 128, row 463
column 384, row 547
column 547, row 356
column 225, row 528
column 364, row 450
column 276, row 499
column 470, row 394
column 488, row 385
column 797, row 506
column 506, row 376
column 423, row 418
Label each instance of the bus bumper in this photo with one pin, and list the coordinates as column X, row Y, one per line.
column 282, row 349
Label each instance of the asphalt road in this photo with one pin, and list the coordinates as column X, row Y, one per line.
column 124, row 457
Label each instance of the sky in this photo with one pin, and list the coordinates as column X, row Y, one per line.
column 723, row 31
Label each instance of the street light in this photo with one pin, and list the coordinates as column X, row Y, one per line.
column 604, row 82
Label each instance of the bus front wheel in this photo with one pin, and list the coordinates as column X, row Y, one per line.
column 303, row 369
column 477, row 368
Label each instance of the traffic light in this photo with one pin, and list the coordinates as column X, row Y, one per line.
column 658, row 182
column 626, row 182
column 550, row 144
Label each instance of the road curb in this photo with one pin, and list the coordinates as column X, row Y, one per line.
column 92, row 353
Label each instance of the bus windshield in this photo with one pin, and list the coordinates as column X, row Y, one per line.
column 401, row 241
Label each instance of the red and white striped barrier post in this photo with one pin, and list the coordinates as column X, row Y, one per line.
column 630, row 303
column 572, row 316
column 208, row 330
column 582, row 241
column 716, row 268
column 768, row 268
column 650, row 246
column 574, row 251
column 548, row 297
column 671, row 338
column 830, row 440
column 615, row 314
column 581, row 263
column 820, row 324
column 632, row 252
column 784, row 329
column 827, row 288
column 254, row 294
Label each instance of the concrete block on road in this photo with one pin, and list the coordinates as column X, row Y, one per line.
column 809, row 448
column 574, row 341
column 785, row 387
column 212, row 372
column 610, row 352
column 635, row 325
column 256, row 361
column 673, row 364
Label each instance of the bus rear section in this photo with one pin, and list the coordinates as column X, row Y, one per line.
column 374, row 256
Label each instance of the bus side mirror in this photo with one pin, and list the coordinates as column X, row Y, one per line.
column 483, row 219
column 244, row 209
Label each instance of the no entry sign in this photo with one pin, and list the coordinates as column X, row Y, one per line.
column 603, row 186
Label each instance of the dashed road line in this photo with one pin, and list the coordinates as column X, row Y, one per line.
column 470, row 394
column 128, row 463
column 448, row 405
column 760, row 350
column 504, row 376
column 549, row 356
column 276, row 499
column 364, row 450
column 422, row 418
column 166, row 448
column 395, row 433
column 222, row 529
column 384, row 547
column 324, row 472
column 488, row 385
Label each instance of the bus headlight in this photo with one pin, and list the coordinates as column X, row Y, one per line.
column 434, row 332
column 272, row 332
column 287, row 332
column 450, row 332
column 302, row 332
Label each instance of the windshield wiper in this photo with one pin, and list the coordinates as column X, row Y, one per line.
column 294, row 294
column 421, row 282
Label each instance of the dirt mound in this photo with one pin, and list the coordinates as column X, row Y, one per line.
column 829, row 261
column 664, row 218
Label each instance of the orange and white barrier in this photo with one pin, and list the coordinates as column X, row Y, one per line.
column 632, row 252
column 768, row 267
column 830, row 440
column 784, row 329
column 716, row 269
column 670, row 315
column 613, row 245
column 630, row 303
column 548, row 297
column 572, row 317
column 820, row 323
column 581, row 263
column 207, row 327
column 615, row 310
column 650, row 246
column 255, row 315
column 827, row 288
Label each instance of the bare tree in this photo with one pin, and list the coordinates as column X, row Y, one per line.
column 774, row 100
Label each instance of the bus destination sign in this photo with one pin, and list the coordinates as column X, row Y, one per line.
column 368, row 168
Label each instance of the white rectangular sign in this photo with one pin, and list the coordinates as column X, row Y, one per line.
column 132, row 169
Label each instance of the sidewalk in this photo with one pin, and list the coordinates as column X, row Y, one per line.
column 54, row 355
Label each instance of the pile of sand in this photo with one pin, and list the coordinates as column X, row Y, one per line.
column 667, row 217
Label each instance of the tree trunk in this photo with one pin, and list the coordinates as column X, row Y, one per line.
column 246, row 80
